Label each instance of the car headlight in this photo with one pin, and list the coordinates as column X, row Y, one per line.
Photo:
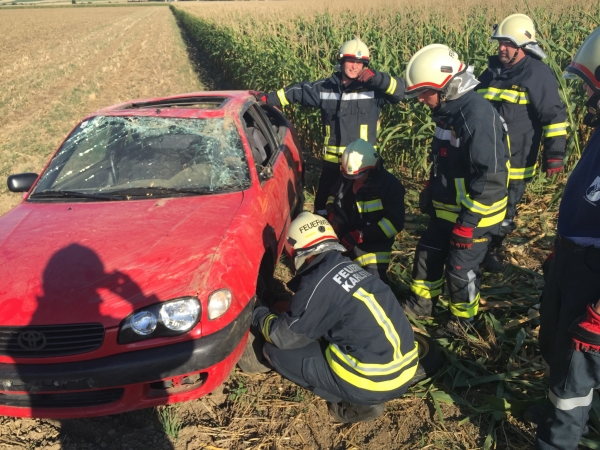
column 218, row 303
column 170, row 318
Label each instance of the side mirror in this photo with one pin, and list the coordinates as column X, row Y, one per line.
column 21, row 182
column 266, row 173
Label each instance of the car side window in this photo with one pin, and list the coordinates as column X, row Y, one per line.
column 277, row 122
column 259, row 143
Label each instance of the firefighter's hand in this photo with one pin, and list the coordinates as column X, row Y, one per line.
column 366, row 75
column 462, row 237
column 352, row 239
column 553, row 166
column 261, row 96
column 259, row 314
column 336, row 222
column 585, row 331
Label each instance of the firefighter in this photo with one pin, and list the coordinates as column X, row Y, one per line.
column 345, row 337
column 524, row 90
column 466, row 192
column 570, row 308
column 366, row 208
column 350, row 101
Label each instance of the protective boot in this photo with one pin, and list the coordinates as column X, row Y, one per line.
column 455, row 327
column 346, row 412
column 492, row 261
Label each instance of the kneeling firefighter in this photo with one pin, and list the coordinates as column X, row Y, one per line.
column 366, row 208
column 345, row 336
column 466, row 194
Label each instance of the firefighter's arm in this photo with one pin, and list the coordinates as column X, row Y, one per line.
column 305, row 93
column 487, row 194
column 393, row 221
column 551, row 112
column 306, row 321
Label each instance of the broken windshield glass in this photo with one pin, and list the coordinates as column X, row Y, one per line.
column 141, row 154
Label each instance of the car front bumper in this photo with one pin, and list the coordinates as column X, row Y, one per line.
column 126, row 381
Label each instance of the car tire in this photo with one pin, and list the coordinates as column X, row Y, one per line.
column 253, row 360
column 430, row 355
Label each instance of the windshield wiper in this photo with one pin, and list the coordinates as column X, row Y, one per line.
column 158, row 190
column 50, row 193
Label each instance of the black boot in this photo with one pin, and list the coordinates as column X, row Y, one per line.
column 492, row 261
column 455, row 327
column 346, row 412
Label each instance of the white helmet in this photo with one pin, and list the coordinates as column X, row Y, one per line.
column 355, row 50
column 517, row 28
column 586, row 62
column 432, row 67
column 358, row 157
column 309, row 235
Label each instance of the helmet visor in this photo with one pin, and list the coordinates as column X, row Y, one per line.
column 355, row 176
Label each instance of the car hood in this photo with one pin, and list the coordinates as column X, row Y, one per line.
column 98, row 261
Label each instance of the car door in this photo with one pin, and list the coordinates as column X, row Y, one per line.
column 277, row 194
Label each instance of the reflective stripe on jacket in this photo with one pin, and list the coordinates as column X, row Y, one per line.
column 348, row 112
column 526, row 96
column 371, row 344
column 469, row 158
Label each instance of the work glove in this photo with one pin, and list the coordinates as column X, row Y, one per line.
column 366, row 75
column 462, row 237
column 553, row 166
column 259, row 95
column 425, row 202
column 259, row 315
column 352, row 239
column 585, row 331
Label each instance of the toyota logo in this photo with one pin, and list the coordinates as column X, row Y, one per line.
column 31, row 340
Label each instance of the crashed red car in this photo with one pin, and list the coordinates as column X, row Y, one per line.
column 131, row 267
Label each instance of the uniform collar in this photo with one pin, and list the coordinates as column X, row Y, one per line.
column 307, row 268
column 450, row 108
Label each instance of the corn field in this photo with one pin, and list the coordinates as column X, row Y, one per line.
column 267, row 46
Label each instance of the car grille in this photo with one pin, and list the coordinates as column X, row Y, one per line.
column 66, row 400
column 50, row 340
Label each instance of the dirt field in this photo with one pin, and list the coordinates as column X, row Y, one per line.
column 56, row 65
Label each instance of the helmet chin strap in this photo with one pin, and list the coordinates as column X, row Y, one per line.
column 514, row 56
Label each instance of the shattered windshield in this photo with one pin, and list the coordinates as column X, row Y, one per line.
column 123, row 157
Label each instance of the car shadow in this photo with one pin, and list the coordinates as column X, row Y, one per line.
column 75, row 279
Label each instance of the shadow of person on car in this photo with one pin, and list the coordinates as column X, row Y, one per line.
column 86, row 306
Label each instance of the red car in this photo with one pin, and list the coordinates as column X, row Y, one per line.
column 131, row 267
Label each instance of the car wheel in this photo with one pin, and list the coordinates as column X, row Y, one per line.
column 253, row 360
column 430, row 356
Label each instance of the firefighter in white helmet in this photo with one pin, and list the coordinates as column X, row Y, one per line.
column 350, row 101
column 345, row 336
column 466, row 191
column 570, row 307
column 366, row 208
column 524, row 91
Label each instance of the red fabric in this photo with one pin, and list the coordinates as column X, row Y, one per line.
column 352, row 239
column 461, row 230
column 590, row 324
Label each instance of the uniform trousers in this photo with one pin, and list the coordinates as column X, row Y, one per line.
column 572, row 282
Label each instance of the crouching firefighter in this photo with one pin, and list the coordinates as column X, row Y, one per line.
column 345, row 337
column 366, row 208
column 570, row 310
column 467, row 185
